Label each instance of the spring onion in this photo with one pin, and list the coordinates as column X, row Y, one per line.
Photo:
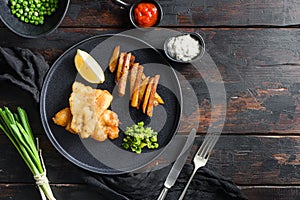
column 17, row 128
column 137, row 137
column 33, row 11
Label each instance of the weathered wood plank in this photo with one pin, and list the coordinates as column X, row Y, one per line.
column 59, row 170
column 248, row 160
column 260, row 69
column 75, row 191
column 261, row 76
column 30, row 192
column 271, row 192
column 262, row 160
column 189, row 13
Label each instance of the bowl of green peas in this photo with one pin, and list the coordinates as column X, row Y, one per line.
column 33, row 18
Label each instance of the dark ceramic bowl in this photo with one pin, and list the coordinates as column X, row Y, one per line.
column 28, row 30
column 195, row 36
column 131, row 8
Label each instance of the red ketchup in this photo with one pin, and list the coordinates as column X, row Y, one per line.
column 145, row 14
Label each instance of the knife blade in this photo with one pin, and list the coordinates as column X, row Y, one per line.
column 178, row 165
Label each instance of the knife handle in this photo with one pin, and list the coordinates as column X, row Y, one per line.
column 163, row 194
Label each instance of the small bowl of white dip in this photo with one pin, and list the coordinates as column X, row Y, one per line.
column 185, row 48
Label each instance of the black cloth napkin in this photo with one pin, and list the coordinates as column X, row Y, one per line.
column 206, row 184
column 23, row 68
column 26, row 69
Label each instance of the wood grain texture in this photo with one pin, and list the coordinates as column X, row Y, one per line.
column 271, row 192
column 61, row 191
column 190, row 13
column 259, row 67
column 248, row 160
column 207, row 13
column 79, row 192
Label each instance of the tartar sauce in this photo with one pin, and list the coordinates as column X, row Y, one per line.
column 183, row 47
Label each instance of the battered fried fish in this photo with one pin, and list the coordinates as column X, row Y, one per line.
column 90, row 116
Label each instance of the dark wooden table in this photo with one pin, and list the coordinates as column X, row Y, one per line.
column 256, row 47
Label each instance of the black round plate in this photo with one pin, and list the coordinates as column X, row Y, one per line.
column 109, row 157
column 29, row 30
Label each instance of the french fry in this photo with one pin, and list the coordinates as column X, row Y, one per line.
column 114, row 59
column 143, row 76
column 147, row 94
column 159, row 99
column 142, row 90
column 132, row 59
column 152, row 95
column 120, row 66
column 157, row 96
column 123, row 80
column 155, row 102
column 143, row 94
column 135, row 95
column 133, row 73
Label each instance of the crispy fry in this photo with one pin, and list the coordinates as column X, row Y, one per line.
column 114, row 59
column 155, row 102
column 147, row 94
column 120, row 66
column 133, row 73
column 157, row 96
column 143, row 93
column 132, row 59
column 142, row 90
column 159, row 99
column 135, row 96
column 152, row 95
column 123, row 80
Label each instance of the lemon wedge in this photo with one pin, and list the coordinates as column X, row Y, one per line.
column 88, row 67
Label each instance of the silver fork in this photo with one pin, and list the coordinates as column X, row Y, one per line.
column 201, row 157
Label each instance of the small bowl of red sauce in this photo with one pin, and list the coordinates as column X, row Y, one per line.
column 143, row 14
column 146, row 14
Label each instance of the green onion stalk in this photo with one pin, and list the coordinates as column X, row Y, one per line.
column 16, row 127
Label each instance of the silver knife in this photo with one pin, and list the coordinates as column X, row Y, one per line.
column 178, row 165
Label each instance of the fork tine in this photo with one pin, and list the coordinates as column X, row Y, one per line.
column 202, row 156
column 208, row 144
